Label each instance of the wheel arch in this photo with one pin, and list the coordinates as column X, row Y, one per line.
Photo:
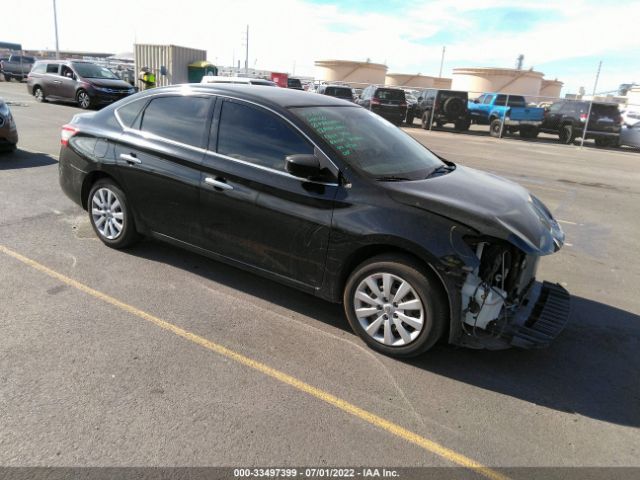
column 90, row 180
column 366, row 252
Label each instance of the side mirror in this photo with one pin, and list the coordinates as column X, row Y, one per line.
column 303, row 166
column 475, row 100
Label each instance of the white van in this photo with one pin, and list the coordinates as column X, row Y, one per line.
column 238, row 80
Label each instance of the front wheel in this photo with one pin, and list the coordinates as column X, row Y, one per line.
column 394, row 307
column 83, row 99
column 110, row 215
column 566, row 135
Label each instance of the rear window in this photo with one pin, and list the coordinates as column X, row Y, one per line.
column 389, row 94
column 340, row 92
column 514, row 101
column 294, row 83
column 52, row 68
column 605, row 110
column 129, row 114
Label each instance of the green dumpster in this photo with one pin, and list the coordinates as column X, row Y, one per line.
column 197, row 70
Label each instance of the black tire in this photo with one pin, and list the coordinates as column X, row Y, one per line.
column 453, row 107
column 601, row 142
column 84, row 100
column 128, row 235
column 434, row 305
column 566, row 134
column 424, row 121
column 439, row 123
column 529, row 132
column 495, row 128
column 410, row 118
column 8, row 77
column 463, row 125
column 38, row 93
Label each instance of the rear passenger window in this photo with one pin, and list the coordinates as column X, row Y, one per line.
column 39, row 68
column 182, row 119
column 129, row 114
column 52, row 68
column 258, row 136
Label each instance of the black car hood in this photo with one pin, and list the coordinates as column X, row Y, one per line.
column 107, row 82
column 487, row 203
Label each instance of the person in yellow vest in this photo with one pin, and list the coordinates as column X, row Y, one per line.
column 147, row 77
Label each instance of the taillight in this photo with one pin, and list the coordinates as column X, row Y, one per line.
column 403, row 104
column 583, row 117
column 67, row 132
column 375, row 101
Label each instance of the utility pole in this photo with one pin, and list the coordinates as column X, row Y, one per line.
column 442, row 62
column 246, row 56
column 595, row 86
column 55, row 25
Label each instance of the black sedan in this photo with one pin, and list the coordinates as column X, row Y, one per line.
column 326, row 197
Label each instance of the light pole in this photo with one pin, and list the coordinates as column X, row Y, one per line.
column 55, row 25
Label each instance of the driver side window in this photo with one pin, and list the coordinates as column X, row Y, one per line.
column 67, row 72
column 257, row 136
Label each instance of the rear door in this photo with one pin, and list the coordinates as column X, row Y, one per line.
column 51, row 82
column 604, row 118
column 388, row 102
column 254, row 212
column 160, row 155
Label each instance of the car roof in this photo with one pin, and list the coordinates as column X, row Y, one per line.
column 269, row 96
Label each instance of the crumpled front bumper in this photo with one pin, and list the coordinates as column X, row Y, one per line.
column 542, row 319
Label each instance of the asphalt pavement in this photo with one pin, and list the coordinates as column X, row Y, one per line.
column 86, row 381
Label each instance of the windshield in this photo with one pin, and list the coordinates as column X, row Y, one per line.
column 369, row 143
column 90, row 70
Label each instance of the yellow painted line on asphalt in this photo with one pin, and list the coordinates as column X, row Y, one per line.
column 364, row 415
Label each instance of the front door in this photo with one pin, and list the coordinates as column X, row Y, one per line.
column 252, row 210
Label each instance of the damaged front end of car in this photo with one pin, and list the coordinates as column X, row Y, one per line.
column 502, row 304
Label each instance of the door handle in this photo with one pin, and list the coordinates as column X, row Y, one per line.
column 131, row 159
column 215, row 183
column 57, row 82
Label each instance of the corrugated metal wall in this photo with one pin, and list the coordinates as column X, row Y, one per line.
column 175, row 58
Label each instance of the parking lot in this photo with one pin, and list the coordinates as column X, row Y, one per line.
column 154, row 356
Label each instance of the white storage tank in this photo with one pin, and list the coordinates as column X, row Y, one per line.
column 477, row 80
column 175, row 59
column 551, row 88
column 359, row 73
column 409, row 80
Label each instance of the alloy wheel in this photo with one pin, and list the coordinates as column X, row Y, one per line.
column 107, row 213
column 389, row 309
column 84, row 100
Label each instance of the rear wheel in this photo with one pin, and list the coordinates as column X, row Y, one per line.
column 529, row 132
column 566, row 134
column 110, row 215
column 394, row 307
column 83, row 99
column 38, row 93
column 463, row 125
column 495, row 128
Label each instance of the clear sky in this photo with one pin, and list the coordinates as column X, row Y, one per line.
column 564, row 39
